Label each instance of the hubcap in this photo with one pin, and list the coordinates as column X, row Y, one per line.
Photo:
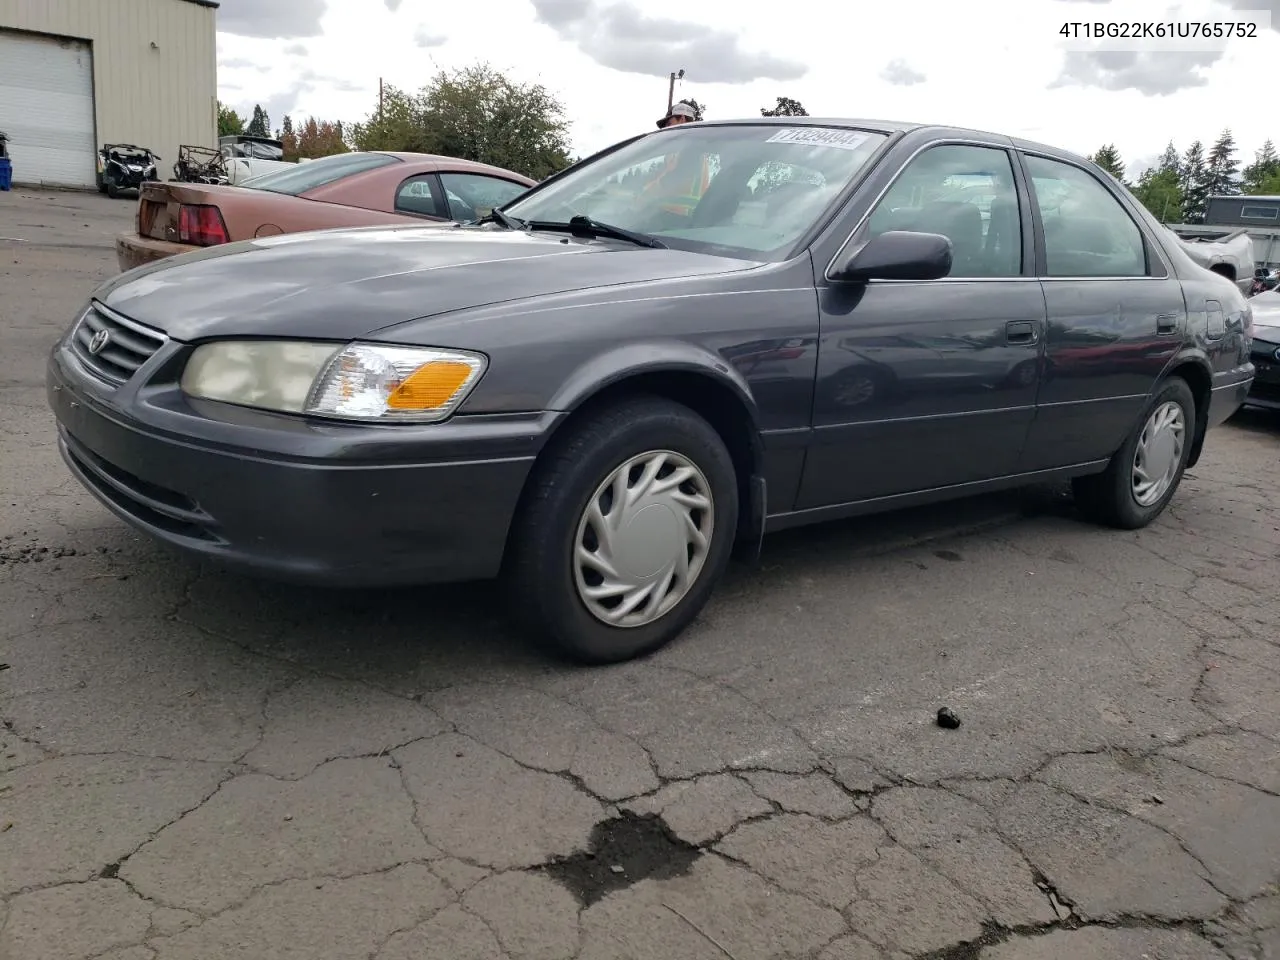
column 643, row 539
column 1159, row 453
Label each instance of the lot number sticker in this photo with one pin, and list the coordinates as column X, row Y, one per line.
column 817, row 137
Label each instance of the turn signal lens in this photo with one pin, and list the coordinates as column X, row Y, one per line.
column 430, row 386
column 367, row 381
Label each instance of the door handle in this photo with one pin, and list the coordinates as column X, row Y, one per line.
column 1166, row 322
column 1020, row 331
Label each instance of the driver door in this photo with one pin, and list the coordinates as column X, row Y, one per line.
column 930, row 384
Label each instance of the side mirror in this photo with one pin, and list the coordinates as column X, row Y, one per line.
column 898, row 255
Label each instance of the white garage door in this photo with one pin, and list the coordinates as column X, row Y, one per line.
column 46, row 108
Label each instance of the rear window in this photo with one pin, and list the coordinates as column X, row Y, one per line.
column 318, row 173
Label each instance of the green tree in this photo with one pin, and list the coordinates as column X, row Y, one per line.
column 1170, row 161
column 474, row 113
column 260, row 125
column 1222, row 170
column 785, row 107
column 1108, row 158
column 1160, row 192
column 1195, row 183
column 1271, row 185
column 230, row 123
column 1264, row 169
column 399, row 123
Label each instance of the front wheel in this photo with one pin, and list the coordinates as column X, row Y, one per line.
column 626, row 527
column 1145, row 472
column 113, row 189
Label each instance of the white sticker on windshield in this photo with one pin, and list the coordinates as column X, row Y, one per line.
column 820, row 137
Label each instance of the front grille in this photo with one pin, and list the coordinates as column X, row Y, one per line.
column 1265, row 390
column 122, row 345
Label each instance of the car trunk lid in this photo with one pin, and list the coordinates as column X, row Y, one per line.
column 160, row 206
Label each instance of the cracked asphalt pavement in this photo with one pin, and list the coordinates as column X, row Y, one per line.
column 194, row 765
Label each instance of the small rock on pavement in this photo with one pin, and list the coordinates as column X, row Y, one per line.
column 947, row 719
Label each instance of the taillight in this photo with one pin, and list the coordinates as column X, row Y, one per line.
column 201, row 225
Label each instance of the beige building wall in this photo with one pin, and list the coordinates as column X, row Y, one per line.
column 154, row 66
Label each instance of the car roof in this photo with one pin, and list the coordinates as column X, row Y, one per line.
column 454, row 163
column 900, row 127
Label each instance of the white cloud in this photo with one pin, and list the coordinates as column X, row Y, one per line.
column 1002, row 68
column 901, row 74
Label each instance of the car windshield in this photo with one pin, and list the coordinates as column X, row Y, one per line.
column 741, row 190
column 318, row 173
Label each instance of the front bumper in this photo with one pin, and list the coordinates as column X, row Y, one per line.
column 1265, row 392
column 304, row 501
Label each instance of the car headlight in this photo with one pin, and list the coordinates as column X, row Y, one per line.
column 359, row 381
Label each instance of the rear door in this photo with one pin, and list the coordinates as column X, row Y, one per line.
column 1116, row 314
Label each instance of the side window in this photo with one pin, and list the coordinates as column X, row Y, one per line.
column 1087, row 233
column 967, row 194
column 420, row 196
column 473, row 195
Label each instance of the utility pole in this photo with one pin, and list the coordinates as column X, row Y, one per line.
column 671, row 89
column 379, row 100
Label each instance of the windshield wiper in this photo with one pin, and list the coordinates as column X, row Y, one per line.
column 504, row 219
column 594, row 228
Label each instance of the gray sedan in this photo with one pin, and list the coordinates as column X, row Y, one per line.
column 693, row 338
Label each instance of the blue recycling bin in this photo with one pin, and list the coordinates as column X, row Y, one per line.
column 6, row 173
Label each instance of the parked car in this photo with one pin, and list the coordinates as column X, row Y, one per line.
column 1230, row 256
column 124, row 166
column 565, row 393
column 245, row 157
column 1265, row 392
column 349, row 190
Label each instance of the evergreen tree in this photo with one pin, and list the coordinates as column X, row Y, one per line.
column 1223, row 173
column 1170, row 162
column 1108, row 158
column 260, row 125
column 1265, row 167
column 1194, row 183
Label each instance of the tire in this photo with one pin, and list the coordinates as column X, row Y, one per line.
column 1111, row 497
column 113, row 189
column 543, row 576
column 102, row 184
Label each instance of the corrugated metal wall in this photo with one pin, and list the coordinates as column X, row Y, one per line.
column 158, row 96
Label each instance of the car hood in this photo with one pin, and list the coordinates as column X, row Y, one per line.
column 1266, row 316
column 338, row 284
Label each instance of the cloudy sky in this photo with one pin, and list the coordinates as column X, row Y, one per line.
column 998, row 64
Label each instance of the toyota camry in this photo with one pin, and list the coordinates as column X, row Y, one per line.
column 603, row 389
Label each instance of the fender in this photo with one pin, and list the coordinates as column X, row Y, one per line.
column 1197, row 356
column 645, row 357
column 617, row 365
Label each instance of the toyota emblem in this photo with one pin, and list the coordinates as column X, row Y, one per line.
column 99, row 342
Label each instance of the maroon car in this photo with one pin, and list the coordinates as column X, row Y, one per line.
column 347, row 190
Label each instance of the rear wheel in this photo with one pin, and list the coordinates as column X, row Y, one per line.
column 1145, row 472
column 627, row 526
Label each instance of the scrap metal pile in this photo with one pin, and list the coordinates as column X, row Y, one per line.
column 200, row 165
